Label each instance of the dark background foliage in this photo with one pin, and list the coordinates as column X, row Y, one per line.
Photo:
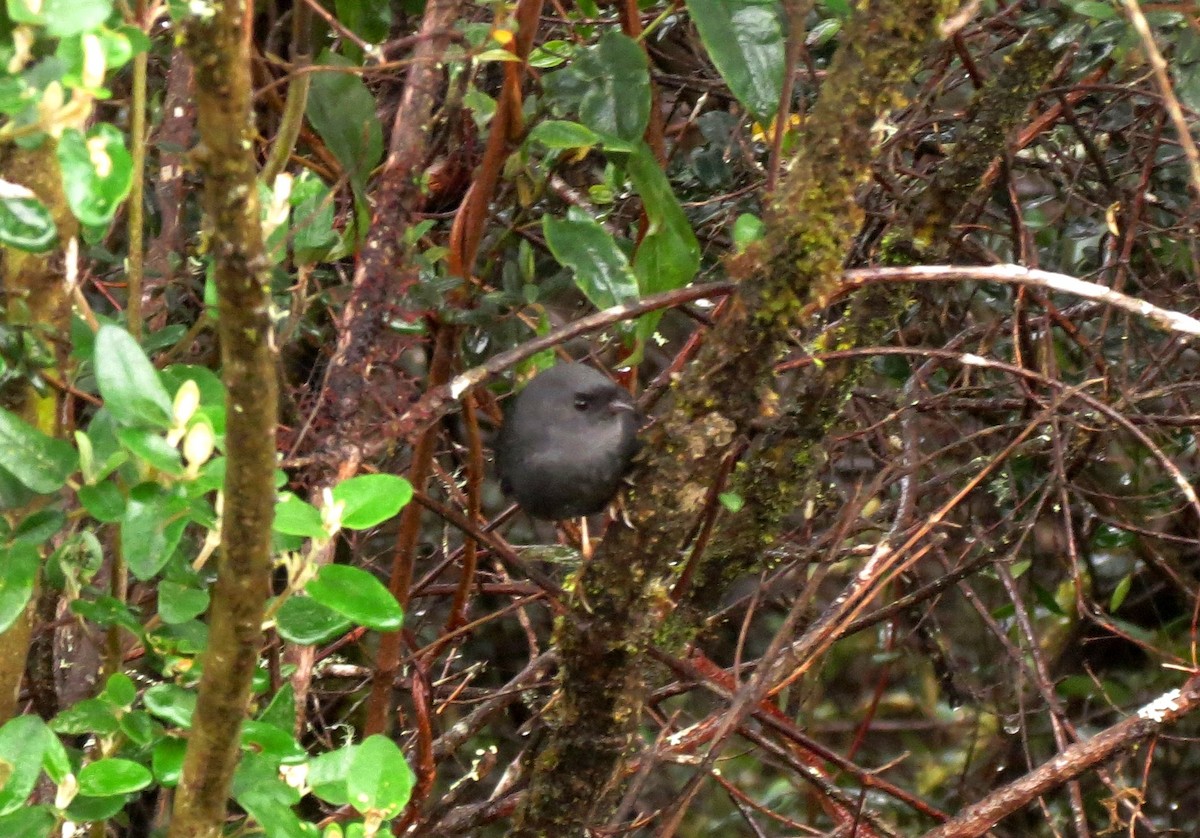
column 1025, row 451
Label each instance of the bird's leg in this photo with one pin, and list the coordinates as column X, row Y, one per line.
column 617, row 509
column 585, row 540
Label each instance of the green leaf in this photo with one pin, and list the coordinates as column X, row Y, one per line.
column 104, row 501
column 120, row 45
column 107, row 611
column 120, row 690
column 26, row 224
column 1046, row 598
column 61, row 18
column 23, row 742
column 357, row 595
column 1076, row 686
column 18, row 571
column 40, row 527
column 97, row 172
column 551, row 54
column 56, row 762
column 167, row 760
column 258, row 789
column 371, row 499
column 139, row 728
column 327, row 775
column 295, row 517
column 84, row 807
column 669, row 254
column 380, row 779
column 75, row 562
column 313, row 233
column 1094, row 9
column 151, row 528
column 152, row 448
column 1120, row 592
column 273, row 741
column 342, row 110
column 113, row 776
column 747, row 229
column 369, row 19
column 91, row 715
column 1108, row 537
column 305, row 621
column 731, row 501
column 212, row 393
column 180, row 603
column 41, row 463
column 132, row 390
column 281, row 712
column 602, row 270
column 171, row 703
column 13, row 493
column 30, row 822
column 745, row 40
column 615, row 86
column 557, row 133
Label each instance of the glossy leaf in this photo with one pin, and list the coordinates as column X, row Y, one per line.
column 29, row 822
column 369, row 19
column 303, row 620
column 39, row 527
column 113, row 776
column 356, row 595
column 180, row 603
column 615, row 87
column 313, row 233
column 271, row 740
column 560, row 134
column 151, row 527
column 167, row 760
column 61, row 18
column 26, row 224
column 327, row 775
column 669, row 254
column 152, row 448
column 120, row 690
column 746, row 43
column 259, row 790
column 371, row 499
column 295, row 517
column 602, row 271
column 129, row 383
column 103, row 501
column 171, row 703
column 18, row 571
column 342, row 110
column 91, row 715
column 41, row 463
column 97, row 173
column 380, row 779
column 23, row 741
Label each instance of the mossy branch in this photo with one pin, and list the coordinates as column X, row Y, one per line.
column 219, row 48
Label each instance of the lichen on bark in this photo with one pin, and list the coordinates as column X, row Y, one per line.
column 619, row 604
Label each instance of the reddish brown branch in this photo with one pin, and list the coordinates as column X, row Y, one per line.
column 1072, row 762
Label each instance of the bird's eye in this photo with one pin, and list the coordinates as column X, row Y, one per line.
column 581, row 402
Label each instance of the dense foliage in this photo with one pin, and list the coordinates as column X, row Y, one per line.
column 908, row 538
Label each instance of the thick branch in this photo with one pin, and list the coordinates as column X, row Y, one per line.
column 219, row 49
column 722, row 395
column 1072, row 762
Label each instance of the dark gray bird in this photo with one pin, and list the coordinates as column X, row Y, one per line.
column 566, row 443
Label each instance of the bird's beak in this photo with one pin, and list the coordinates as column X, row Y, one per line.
column 620, row 407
